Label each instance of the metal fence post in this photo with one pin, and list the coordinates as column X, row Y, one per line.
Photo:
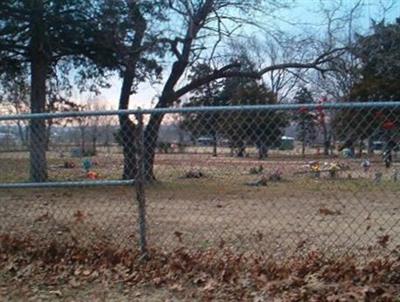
column 139, row 183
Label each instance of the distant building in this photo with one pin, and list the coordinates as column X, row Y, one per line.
column 205, row 141
column 287, row 143
column 173, row 135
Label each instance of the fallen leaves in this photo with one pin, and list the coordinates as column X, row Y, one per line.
column 79, row 216
column 383, row 240
column 58, row 293
column 211, row 285
column 42, row 217
column 178, row 235
column 86, row 272
column 204, row 275
column 74, row 283
column 177, row 287
column 326, row 212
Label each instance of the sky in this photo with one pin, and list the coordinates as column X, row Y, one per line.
column 305, row 13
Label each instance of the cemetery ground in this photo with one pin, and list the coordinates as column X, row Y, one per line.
column 213, row 236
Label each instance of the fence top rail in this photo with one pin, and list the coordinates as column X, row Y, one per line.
column 313, row 106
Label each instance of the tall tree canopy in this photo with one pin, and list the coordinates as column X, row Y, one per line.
column 260, row 128
column 263, row 129
column 135, row 38
column 135, row 31
column 207, row 124
column 36, row 38
column 306, row 120
column 379, row 55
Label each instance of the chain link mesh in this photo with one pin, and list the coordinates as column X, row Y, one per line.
column 280, row 181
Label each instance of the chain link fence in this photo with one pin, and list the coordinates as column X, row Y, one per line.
column 276, row 179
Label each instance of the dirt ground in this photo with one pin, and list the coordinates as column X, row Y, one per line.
column 183, row 275
column 348, row 215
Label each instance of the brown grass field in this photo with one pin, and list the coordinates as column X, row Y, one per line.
column 299, row 212
column 349, row 215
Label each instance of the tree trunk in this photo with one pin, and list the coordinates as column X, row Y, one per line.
column 327, row 141
column 83, row 146
column 94, row 138
column 262, row 151
column 231, row 149
column 107, row 138
column 370, row 146
column 129, row 149
column 94, row 145
column 151, row 135
column 150, row 144
column 214, row 137
column 127, row 128
column 39, row 66
column 23, row 134
column 332, row 145
column 48, row 134
column 361, row 148
column 241, row 148
column 303, row 138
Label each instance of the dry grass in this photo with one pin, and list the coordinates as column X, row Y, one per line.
column 297, row 214
column 280, row 219
column 335, row 216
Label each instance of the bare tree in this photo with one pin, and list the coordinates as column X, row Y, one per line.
column 198, row 34
column 203, row 20
column 91, row 127
column 340, row 32
column 135, row 44
column 274, row 49
column 99, row 125
column 343, row 21
column 14, row 93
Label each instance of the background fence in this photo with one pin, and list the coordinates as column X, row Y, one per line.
column 279, row 179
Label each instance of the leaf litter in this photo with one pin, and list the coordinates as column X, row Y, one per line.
column 193, row 275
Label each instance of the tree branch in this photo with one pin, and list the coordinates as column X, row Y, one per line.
column 227, row 72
